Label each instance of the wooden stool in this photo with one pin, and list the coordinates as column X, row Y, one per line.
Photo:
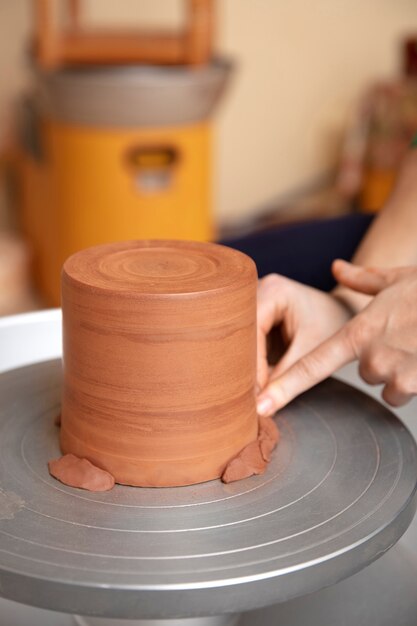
column 73, row 45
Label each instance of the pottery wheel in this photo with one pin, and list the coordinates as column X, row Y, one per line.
column 338, row 493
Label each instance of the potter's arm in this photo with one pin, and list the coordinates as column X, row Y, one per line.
column 381, row 335
column 391, row 241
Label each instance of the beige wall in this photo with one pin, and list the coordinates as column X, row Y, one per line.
column 302, row 65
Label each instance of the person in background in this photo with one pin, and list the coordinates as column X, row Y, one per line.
column 370, row 316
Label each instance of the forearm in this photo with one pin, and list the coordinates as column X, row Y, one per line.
column 391, row 241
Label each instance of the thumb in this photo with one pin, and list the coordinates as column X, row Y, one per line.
column 366, row 280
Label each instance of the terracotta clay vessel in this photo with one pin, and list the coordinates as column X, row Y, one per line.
column 159, row 359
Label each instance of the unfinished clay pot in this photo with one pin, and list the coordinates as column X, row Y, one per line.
column 159, row 359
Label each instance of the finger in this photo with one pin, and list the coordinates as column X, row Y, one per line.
column 307, row 372
column 394, row 397
column 262, row 367
column 366, row 280
column 402, row 385
column 271, row 308
column 290, row 357
column 377, row 364
column 369, row 280
column 296, row 350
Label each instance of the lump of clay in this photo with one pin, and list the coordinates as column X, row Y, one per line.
column 268, row 437
column 75, row 472
column 247, row 463
column 254, row 457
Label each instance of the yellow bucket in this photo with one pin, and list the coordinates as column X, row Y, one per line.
column 121, row 153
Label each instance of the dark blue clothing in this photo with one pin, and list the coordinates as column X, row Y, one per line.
column 304, row 251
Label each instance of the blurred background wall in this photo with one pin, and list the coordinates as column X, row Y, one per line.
column 301, row 67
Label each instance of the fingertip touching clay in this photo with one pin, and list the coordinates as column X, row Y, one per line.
column 80, row 473
column 160, row 361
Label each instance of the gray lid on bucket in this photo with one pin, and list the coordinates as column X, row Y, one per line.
column 132, row 96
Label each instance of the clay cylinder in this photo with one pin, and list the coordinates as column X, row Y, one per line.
column 159, row 359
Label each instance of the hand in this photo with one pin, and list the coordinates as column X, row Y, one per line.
column 306, row 317
column 383, row 337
